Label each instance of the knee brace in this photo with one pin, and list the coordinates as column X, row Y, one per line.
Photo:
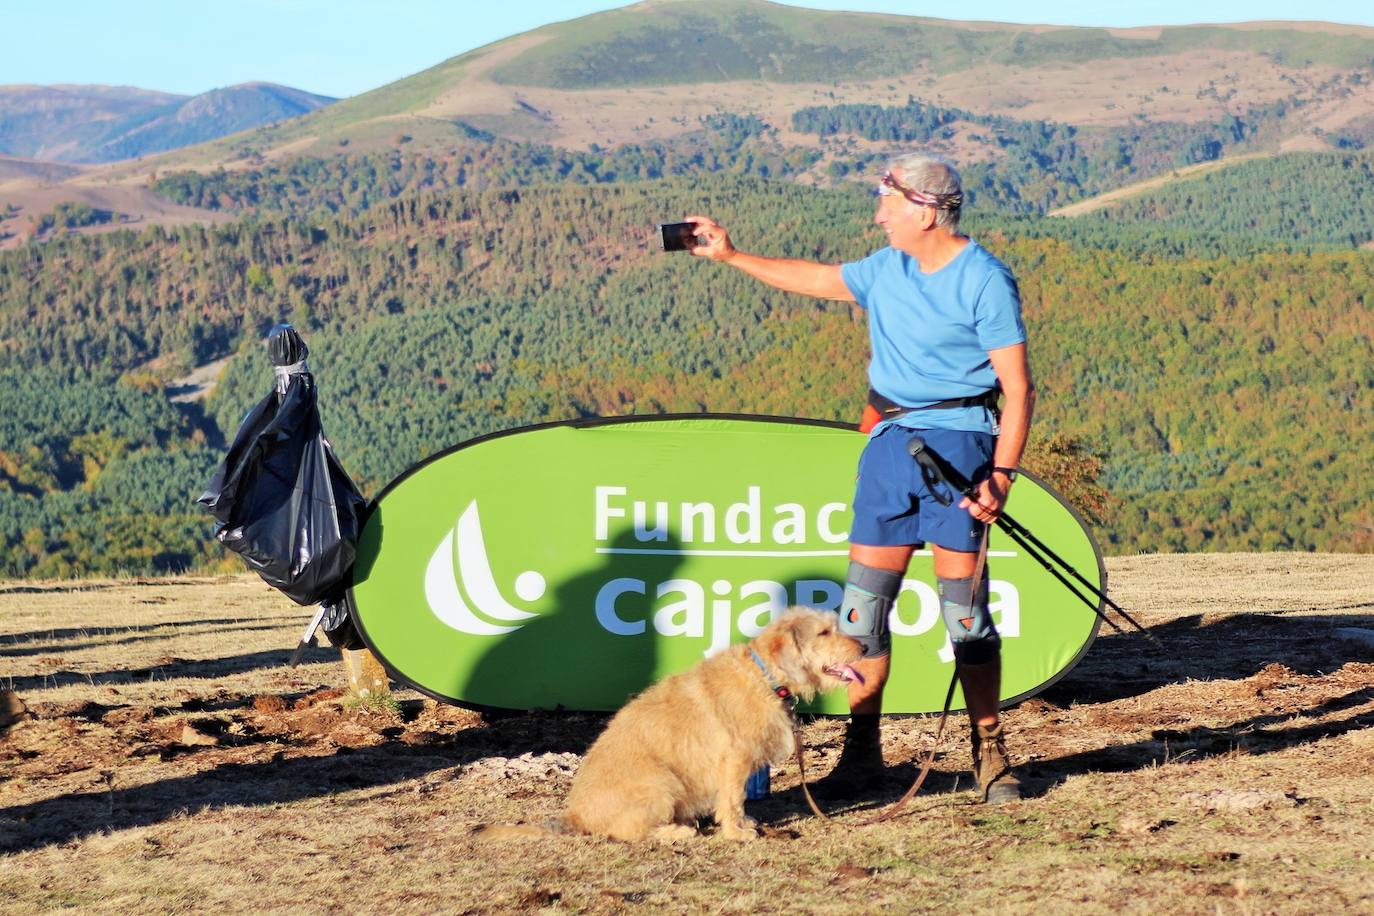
column 868, row 597
column 968, row 620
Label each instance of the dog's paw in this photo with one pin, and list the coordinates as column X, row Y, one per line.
column 674, row 833
column 744, row 832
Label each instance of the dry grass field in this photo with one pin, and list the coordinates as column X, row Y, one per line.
column 132, row 205
column 175, row 764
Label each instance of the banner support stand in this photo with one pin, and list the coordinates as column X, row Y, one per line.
column 367, row 679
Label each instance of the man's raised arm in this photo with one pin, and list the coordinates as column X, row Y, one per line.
column 795, row 276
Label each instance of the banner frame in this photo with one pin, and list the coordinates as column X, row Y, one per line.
column 592, row 422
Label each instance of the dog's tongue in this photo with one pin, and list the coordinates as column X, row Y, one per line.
column 846, row 672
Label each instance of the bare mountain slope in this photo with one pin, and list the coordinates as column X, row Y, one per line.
column 105, row 123
column 651, row 69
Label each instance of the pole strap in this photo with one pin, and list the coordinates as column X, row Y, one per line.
column 933, row 466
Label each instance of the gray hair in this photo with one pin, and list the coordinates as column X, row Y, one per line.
column 934, row 175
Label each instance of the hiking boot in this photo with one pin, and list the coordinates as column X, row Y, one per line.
column 860, row 770
column 991, row 767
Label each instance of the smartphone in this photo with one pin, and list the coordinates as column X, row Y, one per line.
column 677, row 236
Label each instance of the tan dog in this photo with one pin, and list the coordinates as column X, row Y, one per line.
column 685, row 746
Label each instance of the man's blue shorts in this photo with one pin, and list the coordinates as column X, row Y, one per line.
column 893, row 506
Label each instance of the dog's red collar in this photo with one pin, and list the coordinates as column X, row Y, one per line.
column 789, row 699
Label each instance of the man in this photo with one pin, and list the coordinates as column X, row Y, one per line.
column 946, row 333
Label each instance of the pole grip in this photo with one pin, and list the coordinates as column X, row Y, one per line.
column 939, row 468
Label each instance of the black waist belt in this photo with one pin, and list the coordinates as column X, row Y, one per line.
column 891, row 410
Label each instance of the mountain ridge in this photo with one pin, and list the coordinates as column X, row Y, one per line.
column 1045, row 77
column 82, row 123
column 501, row 88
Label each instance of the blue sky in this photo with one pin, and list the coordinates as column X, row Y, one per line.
column 344, row 47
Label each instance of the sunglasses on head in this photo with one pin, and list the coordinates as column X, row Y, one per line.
column 891, row 187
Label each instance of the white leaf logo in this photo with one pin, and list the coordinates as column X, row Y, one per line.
column 460, row 565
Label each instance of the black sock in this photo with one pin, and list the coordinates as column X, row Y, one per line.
column 863, row 724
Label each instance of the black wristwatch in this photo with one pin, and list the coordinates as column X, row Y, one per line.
column 1010, row 472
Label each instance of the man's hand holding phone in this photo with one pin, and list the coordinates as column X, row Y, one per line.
column 677, row 236
column 714, row 240
column 809, row 278
column 700, row 235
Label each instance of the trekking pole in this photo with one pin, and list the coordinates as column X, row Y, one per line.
column 1073, row 590
column 931, row 462
column 1017, row 532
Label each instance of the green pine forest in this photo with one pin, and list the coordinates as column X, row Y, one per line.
column 1313, row 196
column 1204, row 354
column 1035, row 165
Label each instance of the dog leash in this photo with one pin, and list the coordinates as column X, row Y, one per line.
column 801, row 771
column 892, row 811
column 789, row 700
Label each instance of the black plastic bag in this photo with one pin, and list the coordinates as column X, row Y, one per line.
column 281, row 499
column 338, row 626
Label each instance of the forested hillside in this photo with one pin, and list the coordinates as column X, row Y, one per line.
column 1223, row 388
column 470, row 249
column 96, row 476
column 646, row 73
column 315, row 187
column 1325, row 197
column 1037, row 164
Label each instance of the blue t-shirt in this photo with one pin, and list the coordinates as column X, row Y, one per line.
column 931, row 333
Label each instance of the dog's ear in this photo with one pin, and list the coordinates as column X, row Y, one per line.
column 789, row 646
column 774, row 641
column 795, row 643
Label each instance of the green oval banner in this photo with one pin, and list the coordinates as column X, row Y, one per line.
column 573, row 564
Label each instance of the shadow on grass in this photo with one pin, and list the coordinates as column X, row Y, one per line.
column 1039, row 778
column 83, row 586
column 8, row 640
column 281, row 781
column 1120, row 666
column 1230, row 649
column 149, row 633
column 173, row 669
column 1127, row 665
column 55, row 589
column 1250, row 736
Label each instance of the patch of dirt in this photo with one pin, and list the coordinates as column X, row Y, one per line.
column 1244, row 800
column 1114, row 197
column 134, row 206
column 199, row 383
column 14, row 168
